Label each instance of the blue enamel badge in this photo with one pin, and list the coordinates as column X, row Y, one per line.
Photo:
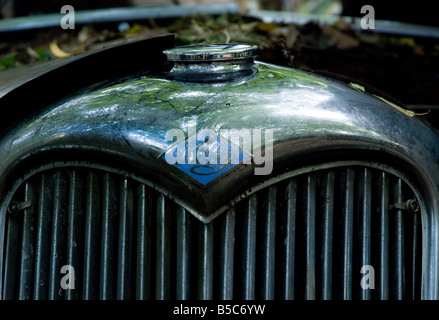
column 206, row 155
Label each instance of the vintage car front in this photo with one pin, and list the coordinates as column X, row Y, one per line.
column 214, row 176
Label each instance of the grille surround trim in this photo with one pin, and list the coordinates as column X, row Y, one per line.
column 233, row 201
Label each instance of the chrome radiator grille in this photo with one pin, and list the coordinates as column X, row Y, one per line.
column 306, row 237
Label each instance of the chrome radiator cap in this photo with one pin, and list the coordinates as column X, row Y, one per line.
column 215, row 62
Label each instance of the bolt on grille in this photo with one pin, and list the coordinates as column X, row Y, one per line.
column 307, row 237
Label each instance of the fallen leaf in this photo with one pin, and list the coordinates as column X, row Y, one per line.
column 85, row 33
column 408, row 113
column 267, row 27
column 227, row 36
column 134, row 29
column 57, row 52
column 406, row 41
column 356, row 87
column 31, row 52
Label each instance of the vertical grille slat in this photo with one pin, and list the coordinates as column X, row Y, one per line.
column 183, row 255
column 310, row 222
column 125, row 241
column 45, row 202
column 398, row 271
column 227, row 255
column 57, row 240
column 10, row 260
column 305, row 237
column 92, row 237
column 144, row 240
column 74, row 234
column 205, row 289
column 416, row 256
column 383, row 208
column 249, row 250
column 289, row 199
column 348, row 234
column 328, row 223
column 108, row 255
column 163, row 262
column 365, row 224
column 11, row 254
column 269, row 237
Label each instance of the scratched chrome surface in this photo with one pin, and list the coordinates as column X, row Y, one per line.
column 133, row 117
column 305, row 113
